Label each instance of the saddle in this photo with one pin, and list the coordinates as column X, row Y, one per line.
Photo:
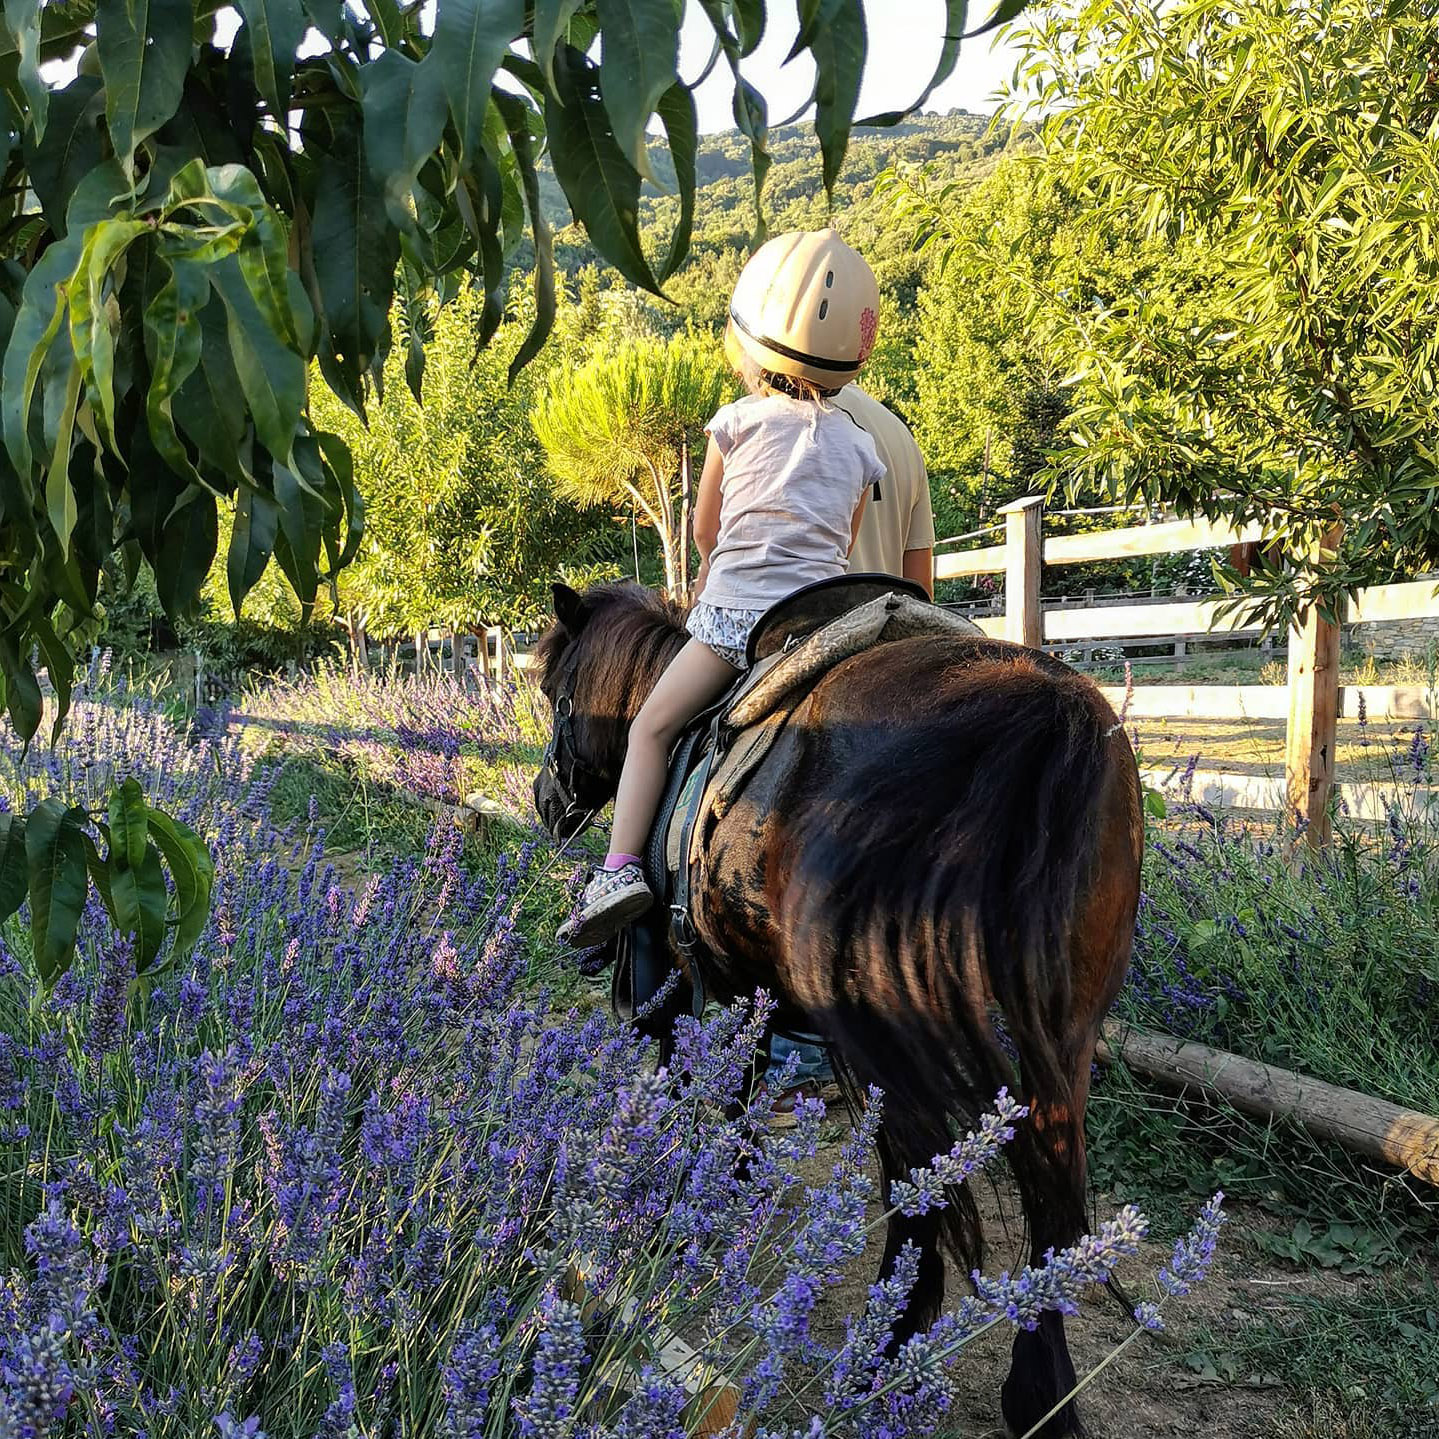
column 794, row 645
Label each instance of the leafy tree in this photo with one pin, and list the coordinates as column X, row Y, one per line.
column 185, row 228
column 622, row 431
column 463, row 524
column 1292, row 150
column 992, row 392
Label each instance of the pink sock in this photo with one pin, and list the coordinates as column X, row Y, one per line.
column 619, row 861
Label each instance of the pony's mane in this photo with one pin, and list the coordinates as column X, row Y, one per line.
column 628, row 637
column 630, row 631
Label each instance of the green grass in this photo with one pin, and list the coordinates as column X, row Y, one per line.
column 1251, row 667
column 1367, row 1363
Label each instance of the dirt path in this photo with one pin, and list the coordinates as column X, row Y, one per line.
column 1149, row 1392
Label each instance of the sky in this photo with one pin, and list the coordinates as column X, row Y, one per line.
column 904, row 41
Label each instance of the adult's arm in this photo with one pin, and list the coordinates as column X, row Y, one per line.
column 855, row 522
column 919, row 567
column 919, row 540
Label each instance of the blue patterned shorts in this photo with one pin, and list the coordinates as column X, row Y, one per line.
column 725, row 631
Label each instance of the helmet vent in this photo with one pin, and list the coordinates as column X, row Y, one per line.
column 829, row 280
column 823, row 308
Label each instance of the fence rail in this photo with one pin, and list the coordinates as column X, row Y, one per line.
column 1311, row 698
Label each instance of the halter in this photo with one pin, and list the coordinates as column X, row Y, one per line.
column 567, row 772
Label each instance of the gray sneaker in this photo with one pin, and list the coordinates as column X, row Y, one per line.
column 612, row 898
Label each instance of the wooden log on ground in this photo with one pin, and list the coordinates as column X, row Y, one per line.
column 1371, row 1127
column 713, row 1399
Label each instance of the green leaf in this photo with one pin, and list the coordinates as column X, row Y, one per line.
column 838, row 46
column 96, row 197
column 22, row 21
column 42, row 309
column 355, row 252
column 144, row 48
column 59, row 665
column 641, row 51
column 272, row 31
column 70, row 149
column 187, row 550
column 210, row 404
column 22, row 692
column 600, row 183
column 263, row 248
column 173, row 344
column 516, row 117
column 128, row 824
column 271, row 374
column 14, row 873
column 677, row 112
column 552, row 19
column 59, row 497
column 1004, row 12
column 100, row 876
column 55, row 852
column 193, row 872
column 252, row 542
column 337, row 460
column 471, row 38
column 404, row 108
column 297, row 546
column 751, row 114
column 1154, row 804
column 480, row 198
column 91, row 335
column 140, row 899
column 327, row 17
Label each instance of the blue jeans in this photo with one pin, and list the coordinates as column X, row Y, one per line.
column 813, row 1063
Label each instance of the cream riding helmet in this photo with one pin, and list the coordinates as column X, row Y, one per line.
column 806, row 306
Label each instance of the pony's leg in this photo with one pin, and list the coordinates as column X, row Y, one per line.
column 1041, row 1370
column 1054, row 1181
column 926, row 1299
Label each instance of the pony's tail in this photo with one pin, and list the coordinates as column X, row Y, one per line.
column 946, row 889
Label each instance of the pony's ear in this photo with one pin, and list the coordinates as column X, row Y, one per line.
column 570, row 608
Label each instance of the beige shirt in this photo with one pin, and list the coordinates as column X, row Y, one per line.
column 902, row 518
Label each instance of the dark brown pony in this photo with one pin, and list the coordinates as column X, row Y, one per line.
column 946, row 837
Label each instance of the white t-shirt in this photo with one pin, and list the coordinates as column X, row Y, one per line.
column 794, row 472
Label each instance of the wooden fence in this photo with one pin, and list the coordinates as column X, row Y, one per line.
column 486, row 653
column 1311, row 698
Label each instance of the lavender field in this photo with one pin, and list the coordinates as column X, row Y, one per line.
column 357, row 1166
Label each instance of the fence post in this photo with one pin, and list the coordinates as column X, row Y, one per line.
column 1310, row 740
column 1023, row 543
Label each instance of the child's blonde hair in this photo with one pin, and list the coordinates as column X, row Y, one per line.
column 759, row 381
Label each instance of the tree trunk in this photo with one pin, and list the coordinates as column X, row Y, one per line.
column 686, row 521
column 359, row 646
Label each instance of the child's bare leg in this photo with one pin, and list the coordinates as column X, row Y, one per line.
column 696, row 677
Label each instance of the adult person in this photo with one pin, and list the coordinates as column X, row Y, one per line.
column 896, row 532
column 896, row 537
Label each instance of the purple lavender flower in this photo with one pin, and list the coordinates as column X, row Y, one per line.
column 548, row 1410
column 1194, row 1252
column 243, row 1429
column 467, row 1378
column 925, row 1189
